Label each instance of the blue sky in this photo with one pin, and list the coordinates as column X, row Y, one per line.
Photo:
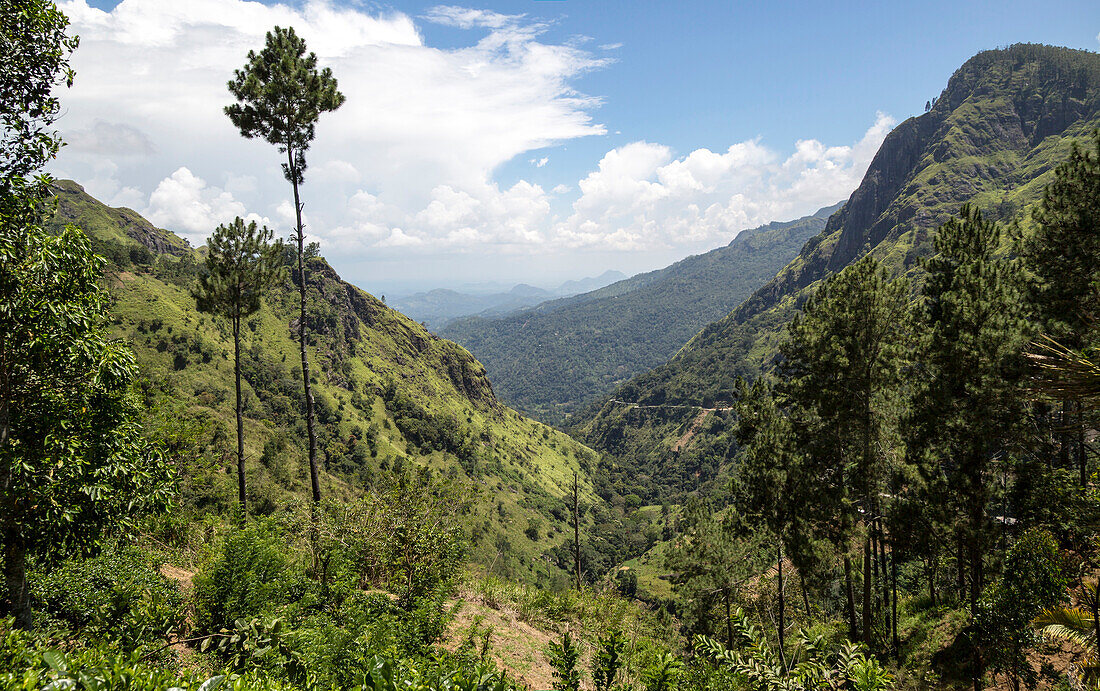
column 660, row 80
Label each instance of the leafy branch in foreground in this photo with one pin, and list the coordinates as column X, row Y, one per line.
column 810, row 665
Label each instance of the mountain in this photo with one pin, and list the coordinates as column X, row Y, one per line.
column 550, row 360
column 992, row 138
column 390, row 396
column 585, row 285
column 437, row 308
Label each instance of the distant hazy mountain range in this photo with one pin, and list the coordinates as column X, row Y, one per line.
column 437, row 308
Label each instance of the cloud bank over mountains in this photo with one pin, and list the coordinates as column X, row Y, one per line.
column 407, row 164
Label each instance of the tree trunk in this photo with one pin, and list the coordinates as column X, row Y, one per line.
column 894, row 600
column 301, row 237
column 867, row 588
column 729, row 621
column 1063, row 437
column 932, row 580
column 576, row 531
column 240, row 415
column 17, row 598
column 782, row 612
column 805, row 594
column 853, row 633
column 1082, row 457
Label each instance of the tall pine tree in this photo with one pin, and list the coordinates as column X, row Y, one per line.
column 281, row 95
column 968, row 409
column 840, row 382
column 241, row 264
column 1063, row 255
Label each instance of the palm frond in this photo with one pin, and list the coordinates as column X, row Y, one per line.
column 1062, row 373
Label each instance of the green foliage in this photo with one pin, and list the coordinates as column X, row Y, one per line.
column 811, row 665
column 118, row 596
column 281, row 95
column 565, row 657
column 664, row 674
column 1032, row 582
column 1061, row 250
column 241, row 264
column 608, row 660
column 35, row 60
column 248, row 578
column 552, row 360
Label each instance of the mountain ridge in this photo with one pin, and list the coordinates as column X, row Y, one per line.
column 554, row 358
column 993, row 138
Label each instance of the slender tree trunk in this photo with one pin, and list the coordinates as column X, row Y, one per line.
column 853, row 633
column 894, row 600
column 240, row 415
column 729, row 620
column 1082, row 457
column 805, row 594
column 576, row 531
column 932, row 580
column 867, row 588
column 1063, row 437
column 301, row 237
column 17, row 598
column 782, row 608
column 885, row 579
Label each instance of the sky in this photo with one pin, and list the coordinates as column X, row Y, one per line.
column 530, row 141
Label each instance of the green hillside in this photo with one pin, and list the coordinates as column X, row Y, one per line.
column 555, row 358
column 389, row 396
column 992, row 138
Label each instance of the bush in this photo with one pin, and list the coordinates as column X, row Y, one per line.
column 249, row 578
column 118, row 595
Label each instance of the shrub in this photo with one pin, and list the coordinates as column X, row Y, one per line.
column 247, row 579
column 118, row 595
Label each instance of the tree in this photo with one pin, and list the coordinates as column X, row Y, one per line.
column 241, row 264
column 840, row 381
column 564, row 658
column 281, row 95
column 608, row 660
column 73, row 463
column 968, row 408
column 1031, row 583
column 34, row 57
column 711, row 559
column 1063, row 255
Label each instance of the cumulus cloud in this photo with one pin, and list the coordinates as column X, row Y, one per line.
column 186, row 203
column 640, row 197
column 408, row 164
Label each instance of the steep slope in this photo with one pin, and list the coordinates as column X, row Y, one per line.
column 1005, row 120
column 552, row 359
column 389, row 395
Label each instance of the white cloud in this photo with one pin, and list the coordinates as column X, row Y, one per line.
column 641, row 198
column 416, row 117
column 408, row 163
column 190, row 206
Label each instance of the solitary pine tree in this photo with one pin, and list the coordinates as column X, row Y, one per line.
column 241, row 264
column 1064, row 257
column 281, row 95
